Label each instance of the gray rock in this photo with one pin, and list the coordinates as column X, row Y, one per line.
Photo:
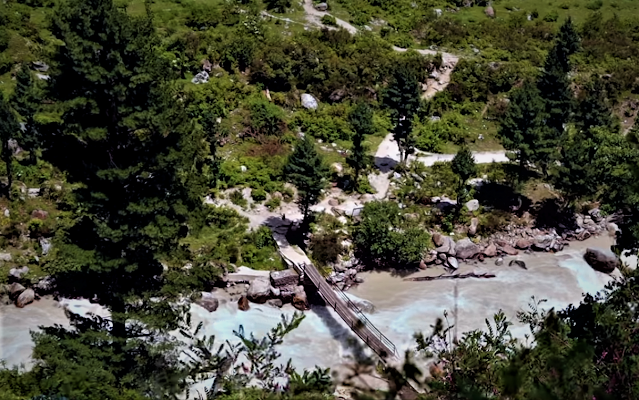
column 490, row 250
column 5, row 256
column 613, row 229
column 397, row 175
column 208, row 302
column 33, row 192
column 453, row 263
column 523, row 244
column 601, row 260
column 40, row 66
column 474, row 223
column 438, row 12
column 44, row 285
column 518, row 263
column 321, row 7
column 45, row 244
column 472, row 205
column 543, row 242
column 277, row 303
column 499, row 262
column 284, row 278
column 15, row 289
column 259, row 291
column 25, row 298
column 242, row 168
column 364, row 305
column 417, row 177
column 449, row 246
column 465, row 249
column 275, row 292
column 7, row 213
column 287, row 293
column 201, row 77
column 309, row 102
column 595, row 214
column 18, row 272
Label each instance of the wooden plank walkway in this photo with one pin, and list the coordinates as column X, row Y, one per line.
column 337, row 299
column 350, row 313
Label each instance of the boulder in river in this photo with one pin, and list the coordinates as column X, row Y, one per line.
column 208, row 302
column 453, row 263
column 518, row 263
column 283, row 278
column 25, row 298
column 300, row 300
column 259, row 291
column 448, row 247
column 243, row 303
column 499, row 262
column 277, row 303
column 601, row 260
column 438, row 239
column 465, row 249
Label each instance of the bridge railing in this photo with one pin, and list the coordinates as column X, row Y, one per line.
column 365, row 322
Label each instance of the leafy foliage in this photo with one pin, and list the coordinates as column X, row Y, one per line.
column 402, row 99
column 384, row 238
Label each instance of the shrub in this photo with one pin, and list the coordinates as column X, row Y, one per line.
column 258, row 194
column 326, row 248
column 329, row 20
column 385, row 238
column 266, row 118
column 273, row 203
column 237, row 198
column 551, row 16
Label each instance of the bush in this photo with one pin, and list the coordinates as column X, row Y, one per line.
column 273, row 203
column 384, row 238
column 329, row 20
column 258, row 194
column 237, row 198
column 266, row 118
column 551, row 16
column 326, row 248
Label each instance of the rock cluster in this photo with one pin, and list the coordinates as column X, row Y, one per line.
column 279, row 288
column 515, row 239
column 344, row 278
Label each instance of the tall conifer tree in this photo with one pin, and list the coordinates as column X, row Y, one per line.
column 402, row 97
column 361, row 119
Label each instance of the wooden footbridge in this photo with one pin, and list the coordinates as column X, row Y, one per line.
column 337, row 299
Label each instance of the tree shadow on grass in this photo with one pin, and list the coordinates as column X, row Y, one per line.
column 502, row 197
column 552, row 214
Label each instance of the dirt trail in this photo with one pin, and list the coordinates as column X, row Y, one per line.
column 314, row 17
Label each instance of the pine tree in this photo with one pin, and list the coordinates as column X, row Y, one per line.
column 568, row 39
column 402, row 97
column 9, row 128
column 522, row 125
column 361, row 120
column 135, row 159
column 306, row 170
column 594, row 110
column 25, row 102
column 463, row 165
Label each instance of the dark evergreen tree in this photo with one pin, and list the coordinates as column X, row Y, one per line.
column 26, row 102
column 9, row 128
column 306, row 170
column 402, row 97
column 135, row 159
column 463, row 165
column 568, row 39
column 361, row 120
column 594, row 110
column 522, row 126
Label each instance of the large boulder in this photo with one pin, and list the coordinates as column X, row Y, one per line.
column 243, row 304
column 453, row 263
column 438, row 239
column 25, row 298
column 300, row 300
column 259, row 291
column 201, row 77
column 543, row 242
column 309, row 102
column 15, row 289
column 472, row 205
column 287, row 293
column 465, row 249
column 601, row 260
column 5, row 256
column 508, row 249
column 277, row 303
column 45, row 244
column 490, row 250
column 518, row 263
column 208, row 302
column 523, row 244
column 18, row 272
column 448, row 246
column 284, row 278
column 321, row 7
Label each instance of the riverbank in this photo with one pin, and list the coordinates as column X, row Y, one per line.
column 401, row 307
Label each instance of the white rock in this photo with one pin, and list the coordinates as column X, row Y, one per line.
column 243, row 168
column 309, row 102
column 472, row 205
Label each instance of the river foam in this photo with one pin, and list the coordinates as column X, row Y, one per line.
column 401, row 307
